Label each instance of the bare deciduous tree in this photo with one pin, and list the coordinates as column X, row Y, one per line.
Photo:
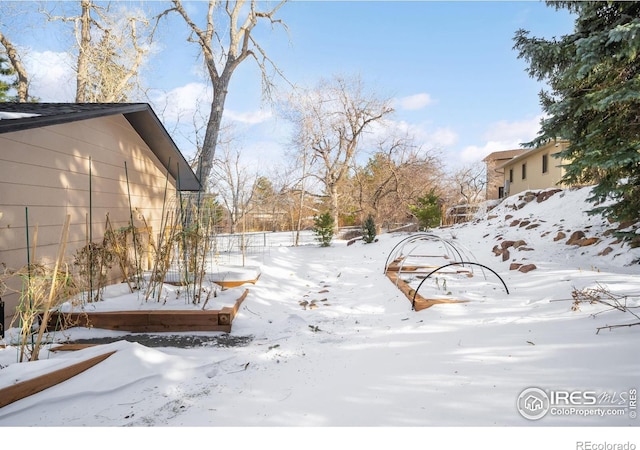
column 466, row 190
column 300, row 185
column 395, row 176
column 223, row 54
column 470, row 183
column 269, row 206
column 112, row 44
column 330, row 121
column 234, row 183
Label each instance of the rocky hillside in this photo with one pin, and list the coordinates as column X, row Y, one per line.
column 551, row 226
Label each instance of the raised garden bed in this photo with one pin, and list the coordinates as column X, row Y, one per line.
column 26, row 388
column 152, row 320
column 169, row 309
column 419, row 302
column 228, row 277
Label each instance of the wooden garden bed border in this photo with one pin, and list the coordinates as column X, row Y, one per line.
column 149, row 321
column 420, row 302
column 26, row 388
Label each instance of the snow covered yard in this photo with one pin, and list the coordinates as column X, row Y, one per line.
column 333, row 343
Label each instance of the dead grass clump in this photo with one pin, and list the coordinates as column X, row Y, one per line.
column 43, row 289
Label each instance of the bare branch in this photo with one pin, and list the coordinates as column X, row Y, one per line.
column 602, row 295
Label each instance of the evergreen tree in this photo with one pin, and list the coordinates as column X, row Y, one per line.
column 427, row 211
column 323, row 228
column 5, row 71
column 594, row 100
column 369, row 230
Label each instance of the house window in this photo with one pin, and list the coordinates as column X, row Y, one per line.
column 510, row 175
column 524, row 171
column 545, row 163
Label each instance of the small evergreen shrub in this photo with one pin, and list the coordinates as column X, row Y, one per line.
column 369, row 230
column 323, row 228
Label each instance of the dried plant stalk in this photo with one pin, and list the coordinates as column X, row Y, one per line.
column 604, row 296
column 47, row 309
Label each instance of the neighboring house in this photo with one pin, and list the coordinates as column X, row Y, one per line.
column 47, row 153
column 538, row 168
column 495, row 174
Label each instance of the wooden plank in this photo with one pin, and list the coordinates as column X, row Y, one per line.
column 70, row 347
column 182, row 321
column 147, row 321
column 232, row 284
column 26, row 388
column 228, row 314
column 236, row 307
column 418, row 270
column 440, row 272
column 397, row 268
column 420, row 302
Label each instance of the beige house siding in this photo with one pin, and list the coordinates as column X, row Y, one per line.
column 495, row 174
column 46, row 170
column 526, row 172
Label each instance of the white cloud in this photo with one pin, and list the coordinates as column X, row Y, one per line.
column 523, row 130
column 52, row 76
column 181, row 103
column 427, row 141
column 414, row 102
column 186, row 108
column 444, row 137
column 422, row 134
column 250, row 117
column 502, row 135
column 194, row 100
column 474, row 153
column 261, row 155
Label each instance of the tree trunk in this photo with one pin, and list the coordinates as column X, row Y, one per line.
column 23, row 79
column 335, row 208
column 208, row 151
column 241, row 45
column 302, row 192
column 83, row 52
column 299, row 220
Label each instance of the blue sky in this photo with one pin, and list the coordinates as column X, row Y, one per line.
column 450, row 67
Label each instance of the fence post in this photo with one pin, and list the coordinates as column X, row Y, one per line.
column 1, row 318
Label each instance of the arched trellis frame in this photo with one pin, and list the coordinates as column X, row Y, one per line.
column 461, row 263
column 450, row 248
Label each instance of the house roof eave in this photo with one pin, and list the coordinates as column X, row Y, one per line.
column 531, row 152
column 155, row 135
column 503, row 155
column 140, row 115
